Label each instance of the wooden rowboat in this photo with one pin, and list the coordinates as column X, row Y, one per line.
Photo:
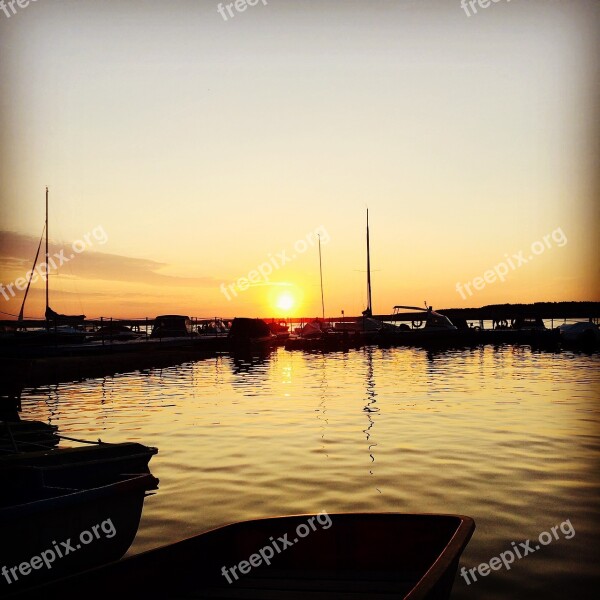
column 358, row 556
column 71, row 467
column 26, row 436
column 93, row 524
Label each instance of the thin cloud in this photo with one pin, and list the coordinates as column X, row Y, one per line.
column 18, row 250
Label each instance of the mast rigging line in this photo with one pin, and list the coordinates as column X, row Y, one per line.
column 20, row 318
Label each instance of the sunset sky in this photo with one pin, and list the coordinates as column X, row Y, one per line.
column 199, row 149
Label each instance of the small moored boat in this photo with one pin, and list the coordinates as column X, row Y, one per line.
column 71, row 467
column 280, row 329
column 37, row 519
column 172, row 326
column 581, row 334
column 26, row 436
column 426, row 327
column 358, row 556
column 250, row 333
column 52, row 496
column 115, row 331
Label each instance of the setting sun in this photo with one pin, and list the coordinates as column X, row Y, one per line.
column 285, row 301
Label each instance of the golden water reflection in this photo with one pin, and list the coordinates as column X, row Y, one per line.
column 505, row 435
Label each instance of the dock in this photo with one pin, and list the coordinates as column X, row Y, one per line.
column 33, row 365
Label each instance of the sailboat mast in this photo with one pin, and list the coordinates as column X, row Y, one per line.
column 321, row 272
column 47, row 273
column 369, row 300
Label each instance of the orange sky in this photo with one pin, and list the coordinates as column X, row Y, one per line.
column 200, row 151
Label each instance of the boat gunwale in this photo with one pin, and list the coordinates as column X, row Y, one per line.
column 128, row 484
column 450, row 554
column 49, row 456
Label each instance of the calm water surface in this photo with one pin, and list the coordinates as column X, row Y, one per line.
column 508, row 436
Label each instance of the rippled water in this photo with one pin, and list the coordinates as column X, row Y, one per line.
column 508, row 436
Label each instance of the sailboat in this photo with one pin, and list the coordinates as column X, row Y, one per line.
column 317, row 328
column 317, row 335
column 368, row 326
column 59, row 328
column 437, row 326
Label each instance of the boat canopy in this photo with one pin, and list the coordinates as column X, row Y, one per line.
column 171, row 326
column 63, row 319
column 433, row 320
column 249, row 328
column 312, row 329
